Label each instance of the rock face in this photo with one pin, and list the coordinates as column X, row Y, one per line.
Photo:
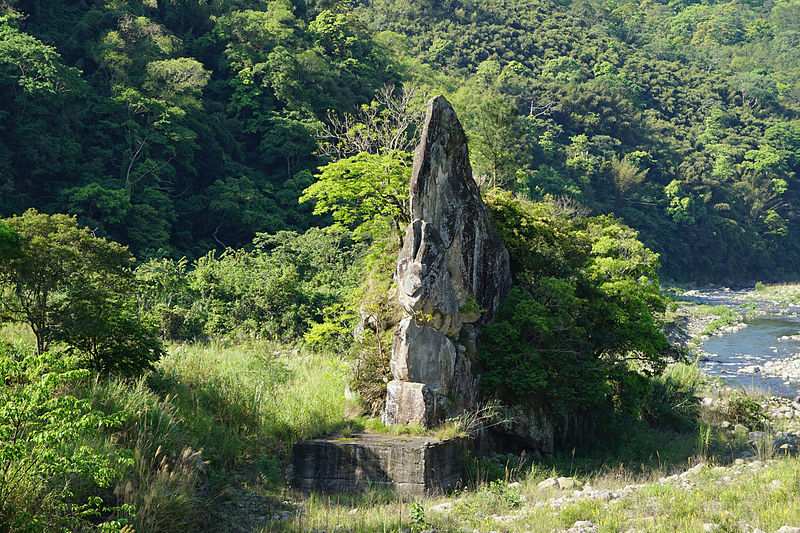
column 452, row 273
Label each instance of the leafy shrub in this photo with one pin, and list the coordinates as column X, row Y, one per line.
column 522, row 353
column 52, row 473
column 277, row 290
column 101, row 329
column 164, row 297
column 582, row 309
column 378, row 314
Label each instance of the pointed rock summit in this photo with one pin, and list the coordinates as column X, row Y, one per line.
column 452, row 273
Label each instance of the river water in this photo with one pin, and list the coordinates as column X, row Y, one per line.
column 752, row 346
column 772, row 336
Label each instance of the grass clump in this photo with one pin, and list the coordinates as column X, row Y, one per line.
column 673, row 398
column 725, row 317
column 745, row 409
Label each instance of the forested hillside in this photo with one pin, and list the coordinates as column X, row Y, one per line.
column 174, row 127
column 681, row 117
column 181, row 126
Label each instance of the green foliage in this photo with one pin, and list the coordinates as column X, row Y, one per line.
column 580, row 320
column 179, row 128
column 50, row 470
column 40, row 278
column 278, row 290
column 666, row 117
column 417, row 515
column 98, row 322
column 9, row 241
column 672, row 400
column 175, row 128
column 367, row 192
column 744, row 409
column 727, row 317
column 378, row 314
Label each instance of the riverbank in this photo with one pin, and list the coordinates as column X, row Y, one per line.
column 766, row 356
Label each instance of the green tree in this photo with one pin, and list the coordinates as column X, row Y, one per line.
column 54, row 252
column 368, row 192
column 495, row 138
column 581, row 314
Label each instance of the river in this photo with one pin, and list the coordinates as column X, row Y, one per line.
column 739, row 357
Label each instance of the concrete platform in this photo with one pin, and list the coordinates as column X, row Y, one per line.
column 409, row 465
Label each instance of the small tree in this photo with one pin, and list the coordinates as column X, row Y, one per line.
column 365, row 191
column 69, row 285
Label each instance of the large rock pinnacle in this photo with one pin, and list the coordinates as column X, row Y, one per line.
column 452, row 273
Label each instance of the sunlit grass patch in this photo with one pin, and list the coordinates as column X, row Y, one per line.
column 255, row 394
column 781, row 292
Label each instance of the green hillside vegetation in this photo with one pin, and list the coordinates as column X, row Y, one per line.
column 181, row 127
column 679, row 117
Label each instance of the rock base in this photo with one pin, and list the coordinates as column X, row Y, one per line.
column 409, row 465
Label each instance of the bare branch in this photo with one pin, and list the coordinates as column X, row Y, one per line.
column 390, row 122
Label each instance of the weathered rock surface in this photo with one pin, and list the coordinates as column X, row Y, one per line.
column 423, row 354
column 452, row 273
column 409, row 403
column 452, row 260
column 531, row 425
column 410, row 465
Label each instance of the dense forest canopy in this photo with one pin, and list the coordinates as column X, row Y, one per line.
column 177, row 127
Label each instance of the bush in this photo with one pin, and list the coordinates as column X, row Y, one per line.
column 523, row 353
column 582, row 310
column 101, row 329
column 672, row 400
column 274, row 291
column 53, row 472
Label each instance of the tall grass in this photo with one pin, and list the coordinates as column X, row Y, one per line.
column 241, row 400
column 181, row 429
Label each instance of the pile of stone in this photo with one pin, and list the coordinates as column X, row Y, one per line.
column 787, row 369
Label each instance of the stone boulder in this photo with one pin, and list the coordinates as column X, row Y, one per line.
column 452, row 273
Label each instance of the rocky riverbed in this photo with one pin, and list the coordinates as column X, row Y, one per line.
column 765, row 356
